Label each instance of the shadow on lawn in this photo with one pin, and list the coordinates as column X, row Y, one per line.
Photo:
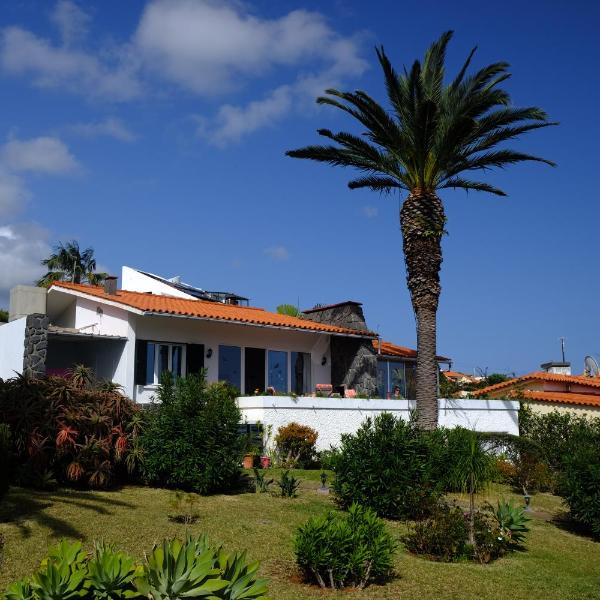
column 564, row 521
column 22, row 505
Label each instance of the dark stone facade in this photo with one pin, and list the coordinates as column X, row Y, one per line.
column 36, row 345
column 353, row 359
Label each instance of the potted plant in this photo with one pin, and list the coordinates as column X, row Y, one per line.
column 249, row 458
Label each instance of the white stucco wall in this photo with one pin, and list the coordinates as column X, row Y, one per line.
column 333, row 416
column 12, row 346
column 100, row 318
column 211, row 334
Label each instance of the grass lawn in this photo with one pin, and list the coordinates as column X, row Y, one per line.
column 558, row 563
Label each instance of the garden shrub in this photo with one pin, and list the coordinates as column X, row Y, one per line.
column 5, row 458
column 327, row 458
column 391, row 466
column 68, row 430
column 191, row 441
column 296, row 445
column 341, row 550
column 173, row 570
column 443, row 536
column 580, row 479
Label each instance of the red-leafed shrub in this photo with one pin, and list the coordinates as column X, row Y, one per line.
column 70, row 429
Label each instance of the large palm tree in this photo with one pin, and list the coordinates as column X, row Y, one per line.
column 68, row 263
column 434, row 135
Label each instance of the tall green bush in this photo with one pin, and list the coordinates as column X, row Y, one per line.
column 580, row 479
column 191, row 440
column 5, row 458
column 338, row 550
column 391, row 466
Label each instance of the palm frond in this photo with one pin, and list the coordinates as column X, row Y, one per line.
column 375, row 183
column 478, row 186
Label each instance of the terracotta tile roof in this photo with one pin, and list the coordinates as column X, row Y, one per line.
column 389, row 349
column 202, row 309
column 542, row 376
column 563, row 398
column 458, row 375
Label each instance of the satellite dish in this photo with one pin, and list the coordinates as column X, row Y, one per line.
column 591, row 367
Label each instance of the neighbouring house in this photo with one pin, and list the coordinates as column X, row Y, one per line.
column 553, row 388
column 152, row 324
column 461, row 378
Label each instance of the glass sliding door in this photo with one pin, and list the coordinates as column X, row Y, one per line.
column 278, row 378
column 230, row 361
column 301, row 373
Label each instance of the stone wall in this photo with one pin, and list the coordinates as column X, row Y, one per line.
column 353, row 360
column 354, row 364
column 36, row 345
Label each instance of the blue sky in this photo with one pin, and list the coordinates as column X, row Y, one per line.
column 155, row 132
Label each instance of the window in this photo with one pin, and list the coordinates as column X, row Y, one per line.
column 301, row 367
column 230, row 361
column 392, row 379
column 154, row 358
column 278, row 376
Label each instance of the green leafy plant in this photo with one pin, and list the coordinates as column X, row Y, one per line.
column 288, row 485
column 472, row 467
column 512, row 521
column 63, row 574
column 5, row 458
column 392, row 467
column 185, row 506
column 242, row 582
column 443, row 536
column 296, row 444
column 176, row 569
column 191, row 439
column 19, row 590
column 338, row 550
column 261, row 483
column 111, row 573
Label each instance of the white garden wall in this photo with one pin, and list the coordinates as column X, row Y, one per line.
column 12, row 346
column 333, row 416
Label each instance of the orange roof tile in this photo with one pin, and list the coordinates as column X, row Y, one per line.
column 389, row 349
column 541, row 376
column 563, row 398
column 202, row 309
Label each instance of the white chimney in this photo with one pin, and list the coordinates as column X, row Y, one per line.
column 558, row 368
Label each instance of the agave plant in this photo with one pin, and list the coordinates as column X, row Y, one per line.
column 111, row 573
column 241, row 577
column 512, row 520
column 178, row 569
column 63, row 574
column 19, row 590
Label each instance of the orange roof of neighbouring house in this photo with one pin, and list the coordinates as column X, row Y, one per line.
column 202, row 309
column 541, row 376
column 563, row 397
column 389, row 349
column 458, row 375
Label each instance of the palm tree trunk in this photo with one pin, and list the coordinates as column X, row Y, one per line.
column 422, row 222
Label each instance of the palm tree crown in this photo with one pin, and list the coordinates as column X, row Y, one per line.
column 435, row 131
column 68, row 263
column 434, row 136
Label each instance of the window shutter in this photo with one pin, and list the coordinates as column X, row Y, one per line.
column 194, row 359
column 141, row 353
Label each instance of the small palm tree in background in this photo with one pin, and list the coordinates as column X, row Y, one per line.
column 434, row 135
column 68, row 263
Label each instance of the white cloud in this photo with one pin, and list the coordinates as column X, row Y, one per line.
column 22, row 247
column 232, row 122
column 23, row 53
column 370, row 211
column 38, row 155
column 13, row 194
column 279, row 253
column 71, row 21
column 109, row 127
